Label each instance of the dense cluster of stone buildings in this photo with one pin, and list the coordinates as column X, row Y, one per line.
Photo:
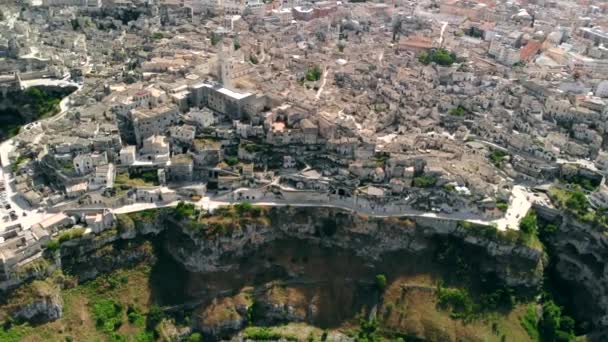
column 306, row 101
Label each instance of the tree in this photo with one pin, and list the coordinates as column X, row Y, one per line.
column 215, row 38
column 155, row 315
column 528, row 224
column 550, row 321
column 397, row 28
column 381, row 282
column 75, row 24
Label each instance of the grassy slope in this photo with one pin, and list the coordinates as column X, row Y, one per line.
column 415, row 310
column 78, row 322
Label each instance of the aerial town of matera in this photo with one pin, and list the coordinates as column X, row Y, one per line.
column 459, row 109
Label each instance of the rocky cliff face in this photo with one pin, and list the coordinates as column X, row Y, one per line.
column 37, row 302
column 44, row 309
column 579, row 254
column 370, row 238
column 92, row 255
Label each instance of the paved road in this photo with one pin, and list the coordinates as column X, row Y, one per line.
column 519, row 206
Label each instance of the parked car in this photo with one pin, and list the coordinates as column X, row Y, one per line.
column 7, row 206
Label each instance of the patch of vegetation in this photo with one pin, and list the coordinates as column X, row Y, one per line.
column 108, row 315
column 53, row 245
column 42, row 102
column 439, row 56
column 148, row 215
column 158, row 35
column 313, row 74
column 425, row 181
column 498, row 157
column 252, row 148
column 231, row 161
column 215, row 38
column 576, row 203
column 381, row 282
column 37, row 265
column 265, row 334
column 458, row 111
column 474, row 32
column 71, row 234
column 245, row 208
column 195, row 337
column 530, row 322
column 554, row 326
column 502, row 206
column 124, row 223
column 529, row 224
column 75, row 24
column 126, row 181
column 19, row 162
column 185, row 210
column 510, row 236
column 583, row 182
column 253, row 59
column 368, row 331
column 457, row 300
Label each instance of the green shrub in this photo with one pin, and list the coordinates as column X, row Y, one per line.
column 107, row 314
column 577, row 201
column 439, row 56
column 53, row 245
column 215, row 38
column 502, row 206
column 231, row 161
column 313, row 74
column 458, row 300
column 264, row 334
column 425, row 181
column 381, row 282
column 458, row 111
column 185, row 210
column 498, row 157
column 530, row 322
column 155, row 315
column 528, row 224
column 195, row 337
column 71, row 234
column 135, row 317
column 368, row 331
